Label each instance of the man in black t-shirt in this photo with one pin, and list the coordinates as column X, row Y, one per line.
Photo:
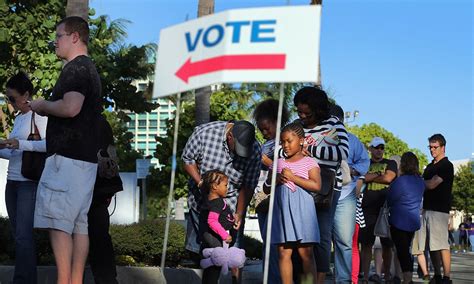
column 65, row 189
column 438, row 176
column 381, row 173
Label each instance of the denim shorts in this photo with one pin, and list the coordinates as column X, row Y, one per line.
column 64, row 195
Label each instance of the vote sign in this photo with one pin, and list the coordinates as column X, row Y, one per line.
column 277, row 44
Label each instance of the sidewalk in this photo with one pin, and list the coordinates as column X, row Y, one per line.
column 462, row 273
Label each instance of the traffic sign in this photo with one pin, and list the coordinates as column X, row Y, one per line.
column 142, row 168
column 277, row 44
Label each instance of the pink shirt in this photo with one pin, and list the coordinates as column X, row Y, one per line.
column 299, row 168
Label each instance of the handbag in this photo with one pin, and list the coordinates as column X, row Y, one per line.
column 108, row 181
column 382, row 226
column 262, row 201
column 32, row 163
column 323, row 198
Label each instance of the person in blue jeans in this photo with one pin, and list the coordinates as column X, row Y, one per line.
column 20, row 192
column 344, row 217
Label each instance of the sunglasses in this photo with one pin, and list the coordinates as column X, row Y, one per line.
column 381, row 147
column 433, row 147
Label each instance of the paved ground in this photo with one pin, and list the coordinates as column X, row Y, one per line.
column 462, row 273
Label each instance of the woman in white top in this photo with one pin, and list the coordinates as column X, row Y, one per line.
column 20, row 192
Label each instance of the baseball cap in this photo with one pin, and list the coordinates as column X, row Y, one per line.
column 376, row 142
column 244, row 137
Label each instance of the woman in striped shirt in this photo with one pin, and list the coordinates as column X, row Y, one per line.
column 326, row 141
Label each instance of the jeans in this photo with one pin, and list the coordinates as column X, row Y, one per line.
column 471, row 239
column 273, row 266
column 20, row 197
column 322, row 251
column 343, row 230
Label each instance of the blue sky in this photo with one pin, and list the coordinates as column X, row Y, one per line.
column 404, row 64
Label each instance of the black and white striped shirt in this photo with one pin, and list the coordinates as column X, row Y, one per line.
column 329, row 144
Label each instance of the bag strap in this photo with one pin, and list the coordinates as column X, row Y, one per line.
column 33, row 127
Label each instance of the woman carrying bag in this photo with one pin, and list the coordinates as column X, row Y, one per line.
column 20, row 192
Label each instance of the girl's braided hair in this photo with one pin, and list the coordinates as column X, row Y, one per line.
column 295, row 127
column 212, row 177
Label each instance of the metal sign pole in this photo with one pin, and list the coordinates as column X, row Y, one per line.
column 173, row 174
column 272, row 195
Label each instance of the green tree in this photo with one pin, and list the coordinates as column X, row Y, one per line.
column 394, row 145
column 123, row 138
column 463, row 189
column 27, row 28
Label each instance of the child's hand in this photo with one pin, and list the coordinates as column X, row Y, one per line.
column 237, row 222
column 229, row 239
column 287, row 175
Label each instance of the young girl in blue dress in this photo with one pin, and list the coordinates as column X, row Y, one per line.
column 295, row 225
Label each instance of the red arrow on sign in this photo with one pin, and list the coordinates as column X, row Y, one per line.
column 231, row 62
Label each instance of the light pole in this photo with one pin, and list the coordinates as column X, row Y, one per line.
column 350, row 116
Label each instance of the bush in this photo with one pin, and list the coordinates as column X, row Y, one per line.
column 142, row 243
column 135, row 244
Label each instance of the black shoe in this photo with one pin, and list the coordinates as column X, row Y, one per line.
column 396, row 280
column 375, row 278
column 446, row 280
column 437, row 279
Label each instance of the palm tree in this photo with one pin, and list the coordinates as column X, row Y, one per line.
column 203, row 95
column 318, row 82
column 78, row 8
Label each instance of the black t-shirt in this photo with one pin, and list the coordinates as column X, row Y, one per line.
column 226, row 218
column 76, row 137
column 440, row 198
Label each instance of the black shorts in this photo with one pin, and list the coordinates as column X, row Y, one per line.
column 367, row 237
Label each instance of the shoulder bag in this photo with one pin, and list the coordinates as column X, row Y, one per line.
column 108, row 181
column 32, row 163
column 323, row 198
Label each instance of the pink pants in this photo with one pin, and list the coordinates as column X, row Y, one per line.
column 355, row 255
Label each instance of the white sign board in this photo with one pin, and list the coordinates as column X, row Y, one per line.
column 143, row 168
column 277, row 44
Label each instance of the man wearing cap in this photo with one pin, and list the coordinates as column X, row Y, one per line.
column 438, row 176
column 232, row 148
column 381, row 173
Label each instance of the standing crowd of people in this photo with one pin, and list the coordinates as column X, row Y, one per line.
column 303, row 228
column 329, row 192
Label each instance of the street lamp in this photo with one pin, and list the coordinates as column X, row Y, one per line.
column 348, row 115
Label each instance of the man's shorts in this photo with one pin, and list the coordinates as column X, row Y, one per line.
column 434, row 230
column 64, row 195
column 416, row 248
